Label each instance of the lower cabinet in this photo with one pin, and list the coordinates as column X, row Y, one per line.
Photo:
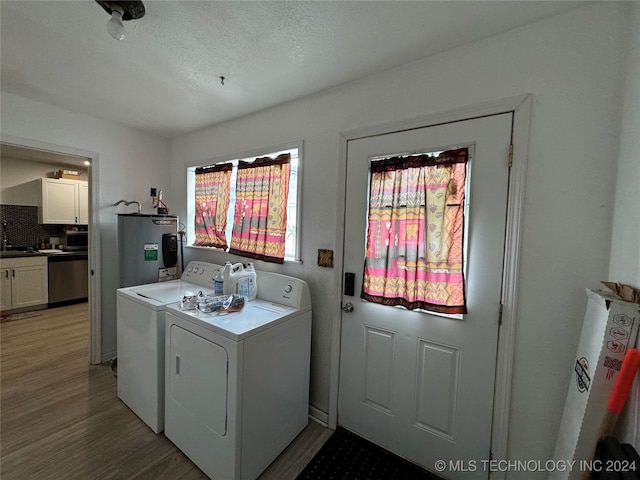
column 24, row 283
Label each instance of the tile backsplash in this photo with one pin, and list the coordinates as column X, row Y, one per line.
column 23, row 229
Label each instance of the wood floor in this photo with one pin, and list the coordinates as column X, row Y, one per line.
column 60, row 416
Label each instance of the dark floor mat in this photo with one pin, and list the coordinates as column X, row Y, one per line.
column 346, row 456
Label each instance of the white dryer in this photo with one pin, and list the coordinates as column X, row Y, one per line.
column 140, row 338
column 237, row 384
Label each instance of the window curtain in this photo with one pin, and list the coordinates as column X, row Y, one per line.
column 414, row 249
column 212, row 203
column 260, row 216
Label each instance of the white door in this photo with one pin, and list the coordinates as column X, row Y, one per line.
column 59, row 201
column 29, row 286
column 198, row 378
column 419, row 384
column 83, row 203
column 5, row 289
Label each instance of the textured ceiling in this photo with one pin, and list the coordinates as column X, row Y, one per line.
column 164, row 77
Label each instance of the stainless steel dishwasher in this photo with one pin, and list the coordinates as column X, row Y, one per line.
column 68, row 276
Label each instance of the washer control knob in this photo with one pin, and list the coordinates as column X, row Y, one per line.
column 288, row 289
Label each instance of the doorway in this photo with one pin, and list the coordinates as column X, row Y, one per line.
column 442, row 355
column 71, row 157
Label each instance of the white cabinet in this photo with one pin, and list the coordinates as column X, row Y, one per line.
column 24, row 282
column 83, row 203
column 64, row 201
column 5, row 288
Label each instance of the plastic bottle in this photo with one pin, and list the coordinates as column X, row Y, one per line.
column 218, row 282
column 240, row 281
column 251, row 282
column 225, row 277
column 230, row 275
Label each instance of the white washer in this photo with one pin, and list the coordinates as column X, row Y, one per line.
column 140, row 338
column 237, row 385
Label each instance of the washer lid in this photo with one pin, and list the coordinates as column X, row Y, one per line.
column 167, row 292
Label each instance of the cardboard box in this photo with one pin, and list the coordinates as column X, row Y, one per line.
column 71, row 174
column 610, row 327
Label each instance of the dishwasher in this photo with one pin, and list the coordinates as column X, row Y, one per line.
column 68, row 277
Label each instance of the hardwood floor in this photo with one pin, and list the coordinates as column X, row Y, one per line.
column 60, row 416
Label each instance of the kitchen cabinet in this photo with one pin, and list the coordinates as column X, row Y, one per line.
column 64, row 201
column 24, row 282
column 83, row 202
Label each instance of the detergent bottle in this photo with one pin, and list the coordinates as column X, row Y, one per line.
column 240, row 281
column 251, row 281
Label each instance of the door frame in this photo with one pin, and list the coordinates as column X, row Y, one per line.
column 520, row 106
column 95, row 322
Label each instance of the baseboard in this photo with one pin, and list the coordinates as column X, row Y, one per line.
column 107, row 357
column 318, row 416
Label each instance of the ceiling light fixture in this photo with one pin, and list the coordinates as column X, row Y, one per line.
column 115, row 26
column 121, row 11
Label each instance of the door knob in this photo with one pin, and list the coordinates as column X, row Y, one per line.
column 348, row 307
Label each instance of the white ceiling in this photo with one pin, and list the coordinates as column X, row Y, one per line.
column 164, row 77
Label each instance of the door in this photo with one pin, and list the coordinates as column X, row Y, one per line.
column 5, row 289
column 83, row 203
column 198, row 378
column 29, row 285
column 417, row 383
column 59, row 201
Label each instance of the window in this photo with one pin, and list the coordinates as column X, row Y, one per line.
column 414, row 251
column 226, row 197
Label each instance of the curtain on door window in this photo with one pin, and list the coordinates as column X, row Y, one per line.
column 212, row 203
column 260, row 215
column 414, row 248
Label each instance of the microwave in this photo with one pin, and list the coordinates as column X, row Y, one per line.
column 76, row 240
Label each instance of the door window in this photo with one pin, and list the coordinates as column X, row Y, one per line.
column 414, row 250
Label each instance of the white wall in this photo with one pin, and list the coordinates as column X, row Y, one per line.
column 17, row 186
column 624, row 263
column 572, row 64
column 129, row 163
column 625, row 247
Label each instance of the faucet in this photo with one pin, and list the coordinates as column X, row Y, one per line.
column 126, row 202
column 5, row 242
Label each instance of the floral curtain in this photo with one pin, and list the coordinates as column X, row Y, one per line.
column 212, row 203
column 414, row 251
column 260, row 216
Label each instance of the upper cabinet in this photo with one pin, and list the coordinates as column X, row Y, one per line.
column 83, row 202
column 64, row 201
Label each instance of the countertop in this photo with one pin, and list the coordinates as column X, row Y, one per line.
column 19, row 253
column 36, row 253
